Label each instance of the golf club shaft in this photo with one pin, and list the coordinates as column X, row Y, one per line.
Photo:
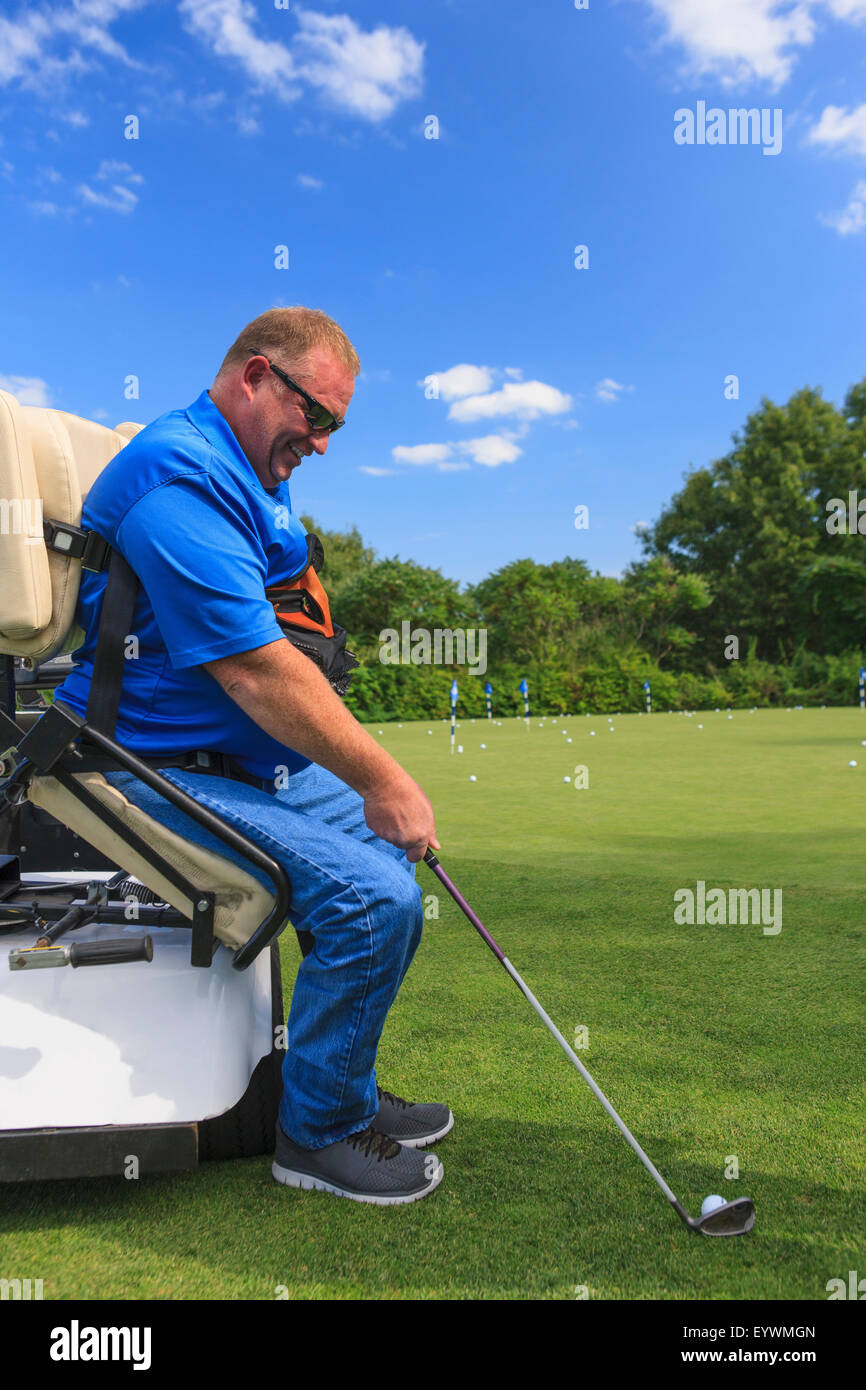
column 433, row 863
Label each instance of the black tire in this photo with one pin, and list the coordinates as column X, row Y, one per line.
column 249, row 1128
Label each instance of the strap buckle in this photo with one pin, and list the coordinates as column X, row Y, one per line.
column 89, row 547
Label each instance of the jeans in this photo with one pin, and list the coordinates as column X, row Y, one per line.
column 355, row 894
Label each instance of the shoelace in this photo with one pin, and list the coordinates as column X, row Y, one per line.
column 395, row 1100
column 373, row 1143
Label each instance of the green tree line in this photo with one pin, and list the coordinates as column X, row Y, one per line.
column 765, row 546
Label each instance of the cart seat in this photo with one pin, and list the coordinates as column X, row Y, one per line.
column 49, row 459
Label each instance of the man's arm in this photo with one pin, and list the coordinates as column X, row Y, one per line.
column 286, row 695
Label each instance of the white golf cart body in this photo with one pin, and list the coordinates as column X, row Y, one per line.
column 158, row 1061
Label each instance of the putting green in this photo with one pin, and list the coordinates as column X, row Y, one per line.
column 718, row 1044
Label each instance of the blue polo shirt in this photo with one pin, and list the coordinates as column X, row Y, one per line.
column 183, row 505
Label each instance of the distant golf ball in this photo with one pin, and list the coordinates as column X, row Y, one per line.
column 429, row 731
column 711, row 1204
column 473, row 779
column 460, row 748
column 863, row 743
column 730, row 716
column 568, row 740
column 566, row 779
column 700, row 726
column 592, row 733
column 380, row 731
column 484, row 745
column 852, row 763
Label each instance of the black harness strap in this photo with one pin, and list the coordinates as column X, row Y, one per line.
column 108, row 665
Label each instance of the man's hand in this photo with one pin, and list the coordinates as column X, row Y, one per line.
column 398, row 811
column 286, row 695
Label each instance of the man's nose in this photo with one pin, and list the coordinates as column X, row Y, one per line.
column 320, row 442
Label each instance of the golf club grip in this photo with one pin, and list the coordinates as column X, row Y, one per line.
column 110, row 952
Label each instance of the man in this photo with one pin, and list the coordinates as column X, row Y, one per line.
column 198, row 503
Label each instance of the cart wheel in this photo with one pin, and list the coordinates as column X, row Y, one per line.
column 249, row 1128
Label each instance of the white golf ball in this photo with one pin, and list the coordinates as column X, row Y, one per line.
column 484, row 745
column 429, row 731
column 852, row 763
column 568, row 740
column 592, row 733
column 700, row 726
column 566, row 779
column 473, row 779
column 711, row 1203
column 863, row 743
column 380, row 731
column 460, row 748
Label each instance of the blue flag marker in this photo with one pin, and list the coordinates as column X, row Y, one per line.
column 453, row 710
column 524, row 690
column 488, row 691
column 649, row 707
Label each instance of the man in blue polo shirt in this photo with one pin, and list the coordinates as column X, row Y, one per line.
column 198, row 503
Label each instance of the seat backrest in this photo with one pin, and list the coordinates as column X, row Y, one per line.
column 49, row 460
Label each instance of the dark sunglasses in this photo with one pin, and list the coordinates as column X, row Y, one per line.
column 317, row 417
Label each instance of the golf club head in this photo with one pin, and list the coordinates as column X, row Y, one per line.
column 733, row 1219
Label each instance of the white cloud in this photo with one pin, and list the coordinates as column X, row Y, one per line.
column 225, row 26
column 525, row 399
column 516, row 373
column 462, row 380
column 848, row 9
column 852, row 218
column 641, row 526
column 28, row 390
column 841, row 129
column 491, row 450
column 308, row 181
column 422, row 453
column 247, row 125
column 739, row 41
column 119, row 197
column 40, row 48
column 377, row 472
column 609, row 390
column 366, row 73
column 43, row 208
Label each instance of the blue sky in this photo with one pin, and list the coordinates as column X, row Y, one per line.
column 450, row 257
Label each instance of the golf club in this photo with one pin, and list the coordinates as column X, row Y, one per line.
column 731, row 1218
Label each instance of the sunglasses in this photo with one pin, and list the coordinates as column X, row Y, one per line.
column 318, row 417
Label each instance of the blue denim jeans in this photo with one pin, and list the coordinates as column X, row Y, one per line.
column 358, row 898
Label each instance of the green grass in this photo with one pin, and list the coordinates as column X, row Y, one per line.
column 711, row 1041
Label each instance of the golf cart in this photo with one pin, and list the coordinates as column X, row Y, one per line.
column 165, row 1051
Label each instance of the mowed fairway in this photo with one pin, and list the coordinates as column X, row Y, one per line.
column 712, row 1041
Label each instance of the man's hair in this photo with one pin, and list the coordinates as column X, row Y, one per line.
column 288, row 336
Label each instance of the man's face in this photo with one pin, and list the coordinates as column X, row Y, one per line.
column 276, row 432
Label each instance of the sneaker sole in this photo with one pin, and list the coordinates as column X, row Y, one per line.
column 307, row 1183
column 425, row 1139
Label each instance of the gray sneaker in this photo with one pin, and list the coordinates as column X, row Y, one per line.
column 412, row 1124
column 366, row 1167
